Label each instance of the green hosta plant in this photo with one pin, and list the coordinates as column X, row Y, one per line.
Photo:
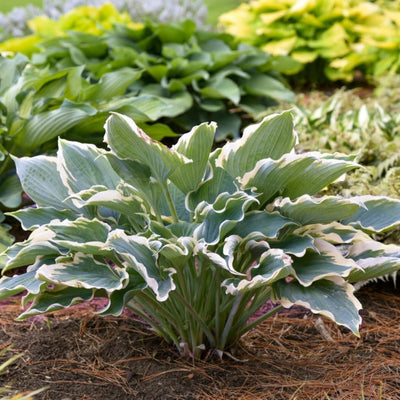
column 194, row 240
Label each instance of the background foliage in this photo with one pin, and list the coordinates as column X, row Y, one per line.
column 322, row 40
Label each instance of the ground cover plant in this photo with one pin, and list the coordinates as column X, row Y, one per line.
column 322, row 40
column 196, row 241
column 366, row 128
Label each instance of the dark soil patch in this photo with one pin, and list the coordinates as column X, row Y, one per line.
column 79, row 356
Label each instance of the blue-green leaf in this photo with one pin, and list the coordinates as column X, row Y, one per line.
column 331, row 297
column 271, row 138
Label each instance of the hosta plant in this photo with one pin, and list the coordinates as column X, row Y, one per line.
column 322, row 39
column 195, row 241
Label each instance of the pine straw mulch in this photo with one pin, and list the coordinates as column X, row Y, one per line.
column 79, row 356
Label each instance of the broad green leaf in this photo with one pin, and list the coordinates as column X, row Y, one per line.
column 334, row 232
column 32, row 218
column 219, row 218
column 128, row 141
column 271, row 138
column 380, row 214
column 83, row 271
column 124, row 202
column 15, row 284
column 264, row 85
column 217, row 181
column 274, row 265
column 268, row 224
column 222, row 89
column 57, row 299
column 10, row 191
column 331, row 297
column 136, row 251
column 25, row 253
column 119, row 298
column 138, row 176
column 240, row 254
column 42, row 182
column 308, row 210
column 325, row 261
column 271, row 177
column 82, row 166
column 375, row 259
column 83, row 235
column 112, row 84
column 295, row 244
column 195, row 146
column 318, row 175
column 47, row 125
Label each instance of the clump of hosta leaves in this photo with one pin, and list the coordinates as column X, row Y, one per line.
column 166, row 77
column 195, row 241
column 17, row 23
column 322, row 39
column 346, row 123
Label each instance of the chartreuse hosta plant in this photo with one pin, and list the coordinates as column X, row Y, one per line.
column 194, row 240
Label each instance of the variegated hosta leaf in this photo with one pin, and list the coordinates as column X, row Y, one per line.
column 295, row 244
column 379, row 215
column 218, row 218
column 216, row 182
column 19, row 283
column 271, row 138
column 274, row 265
column 325, row 261
column 331, row 297
column 118, row 299
column 196, row 146
column 83, row 271
column 82, row 166
column 57, row 299
column 270, row 176
column 179, row 200
column 263, row 224
column 241, row 254
column 42, row 182
column 308, row 210
column 25, row 253
column 125, row 200
column 82, row 235
column 129, row 142
column 32, row 218
column 318, row 175
column 374, row 260
column 335, row 232
column 176, row 255
column 137, row 252
column 138, row 176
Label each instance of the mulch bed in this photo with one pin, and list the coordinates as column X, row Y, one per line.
column 80, row 356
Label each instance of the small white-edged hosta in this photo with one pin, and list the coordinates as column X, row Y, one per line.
column 196, row 240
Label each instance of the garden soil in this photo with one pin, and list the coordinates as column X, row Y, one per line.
column 77, row 355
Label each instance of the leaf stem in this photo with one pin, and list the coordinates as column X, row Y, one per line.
column 169, row 201
column 260, row 319
column 202, row 324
